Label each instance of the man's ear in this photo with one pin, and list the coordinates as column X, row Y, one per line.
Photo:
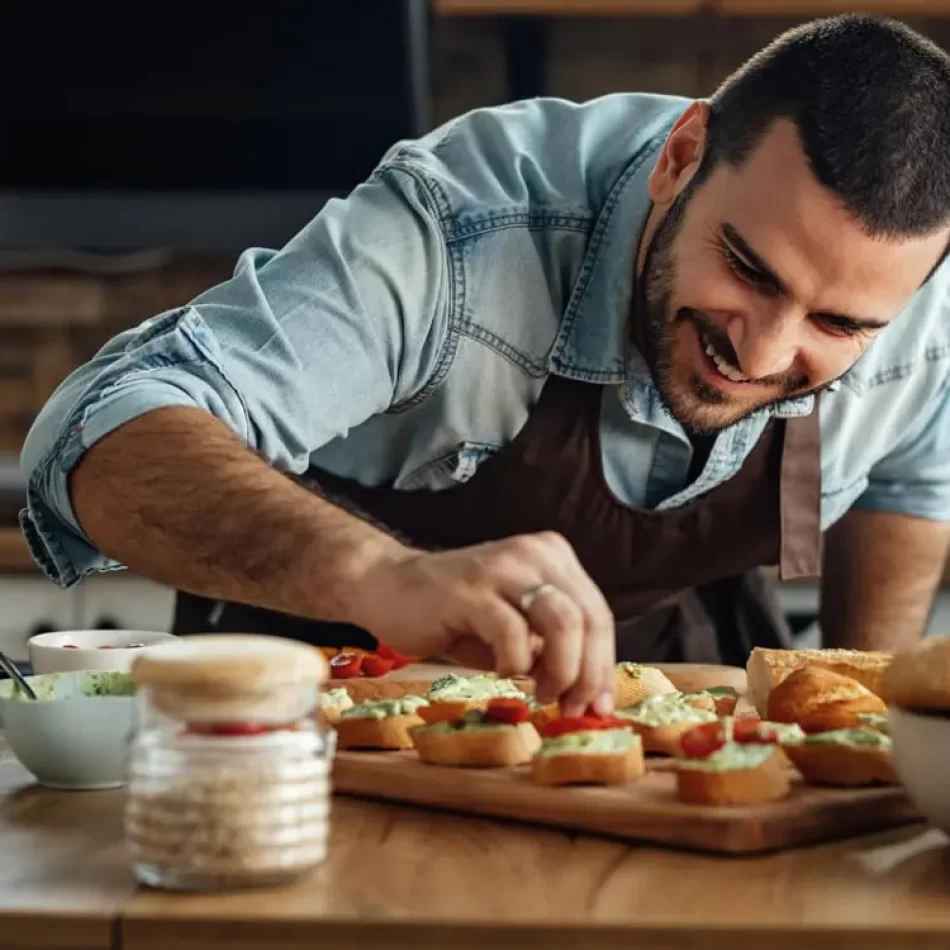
column 681, row 155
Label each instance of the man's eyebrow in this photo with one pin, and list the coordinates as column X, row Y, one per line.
column 750, row 257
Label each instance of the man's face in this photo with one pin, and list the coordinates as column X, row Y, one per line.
column 758, row 285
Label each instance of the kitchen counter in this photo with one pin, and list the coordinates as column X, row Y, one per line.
column 403, row 877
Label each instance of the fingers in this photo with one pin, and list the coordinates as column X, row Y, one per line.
column 578, row 661
column 557, row 619
column 505, row 631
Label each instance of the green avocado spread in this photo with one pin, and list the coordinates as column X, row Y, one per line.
column 472, row 721
column 664, row 710
column 479, row 686
column 384, row 708
column 876, row 721
column 337, row 698
column 862, row 736
column 591, row 742
column 732, row 757
column 633, row 669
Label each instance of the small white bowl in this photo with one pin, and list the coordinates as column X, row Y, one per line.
column 69, row 650
column 922, row 759
column 68, row 739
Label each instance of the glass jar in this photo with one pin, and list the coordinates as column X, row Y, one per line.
column 229, row 764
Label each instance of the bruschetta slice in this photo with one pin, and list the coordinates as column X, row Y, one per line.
column 498, row 736
column 379, row 724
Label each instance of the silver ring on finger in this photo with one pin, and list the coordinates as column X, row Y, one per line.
column 533, row 594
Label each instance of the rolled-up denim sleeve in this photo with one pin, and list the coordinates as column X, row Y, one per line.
column 914, row 477
column 299, row 346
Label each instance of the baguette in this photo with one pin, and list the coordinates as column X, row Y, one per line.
column 820, row 700
column 831, row 759
column 389, row 733
column 495, row 746
column 919, row 678
column 635, row 682
column 760, row 775
column 767, row 668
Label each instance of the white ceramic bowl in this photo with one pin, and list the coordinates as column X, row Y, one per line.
column 68, row 650
column 922, row 760
column 68, row 739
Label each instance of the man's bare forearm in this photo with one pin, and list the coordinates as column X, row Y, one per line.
column 881, row 572
column 176, row 497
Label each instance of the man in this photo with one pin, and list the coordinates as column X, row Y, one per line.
column 548, row 386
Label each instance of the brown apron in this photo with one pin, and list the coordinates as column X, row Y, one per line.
column 684, row 584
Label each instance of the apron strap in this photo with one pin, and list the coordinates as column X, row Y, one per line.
column 800, row 497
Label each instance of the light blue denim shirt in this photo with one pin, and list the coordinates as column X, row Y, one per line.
column 404, row 335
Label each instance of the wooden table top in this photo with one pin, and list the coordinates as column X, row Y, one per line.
column 404, row 877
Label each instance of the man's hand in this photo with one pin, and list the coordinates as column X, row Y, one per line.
column 881, row 571
column 178, row 498
column 464, row 603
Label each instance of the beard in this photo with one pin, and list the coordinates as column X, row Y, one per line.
column 700, row 408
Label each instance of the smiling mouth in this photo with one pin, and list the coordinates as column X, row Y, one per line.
column 727, row 369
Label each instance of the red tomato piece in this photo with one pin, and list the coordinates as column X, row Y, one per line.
column 753, row 730
column 374, row 665
column 399, row 659
column 345, row 665
column 229, row 728
column 703, row 740
column 507, row 710
column 568, row 724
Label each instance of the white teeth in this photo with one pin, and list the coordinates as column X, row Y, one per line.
column 725, row 367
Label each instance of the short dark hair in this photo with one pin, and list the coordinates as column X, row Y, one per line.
column 871, row 101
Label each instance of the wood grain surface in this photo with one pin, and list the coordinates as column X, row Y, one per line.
column 644, row 810
column 400, row 877
column 63, row 880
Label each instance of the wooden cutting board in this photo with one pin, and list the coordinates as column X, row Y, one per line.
column 644, row 811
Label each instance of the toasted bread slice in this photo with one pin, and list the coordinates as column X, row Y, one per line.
column 766, row 781
column 496, row 746
column 767, row 668
column 363, row 732
column 589, row 768
column 919, row 678
column 841, row 764
column 819, row 700
column 635, row 683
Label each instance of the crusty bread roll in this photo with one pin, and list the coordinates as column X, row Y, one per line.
column 635, row 682
column 589, row 768
column 919, row 678
column 820, row 700
column 761, row 783
column 495, row 746
column 840, row 764
column 364, row 732
column 767, row 668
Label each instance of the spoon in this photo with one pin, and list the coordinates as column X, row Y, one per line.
column 10, row 668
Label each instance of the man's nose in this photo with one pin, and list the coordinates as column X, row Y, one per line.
column 765, row 344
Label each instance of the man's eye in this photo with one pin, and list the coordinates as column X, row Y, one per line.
column 744, row 270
